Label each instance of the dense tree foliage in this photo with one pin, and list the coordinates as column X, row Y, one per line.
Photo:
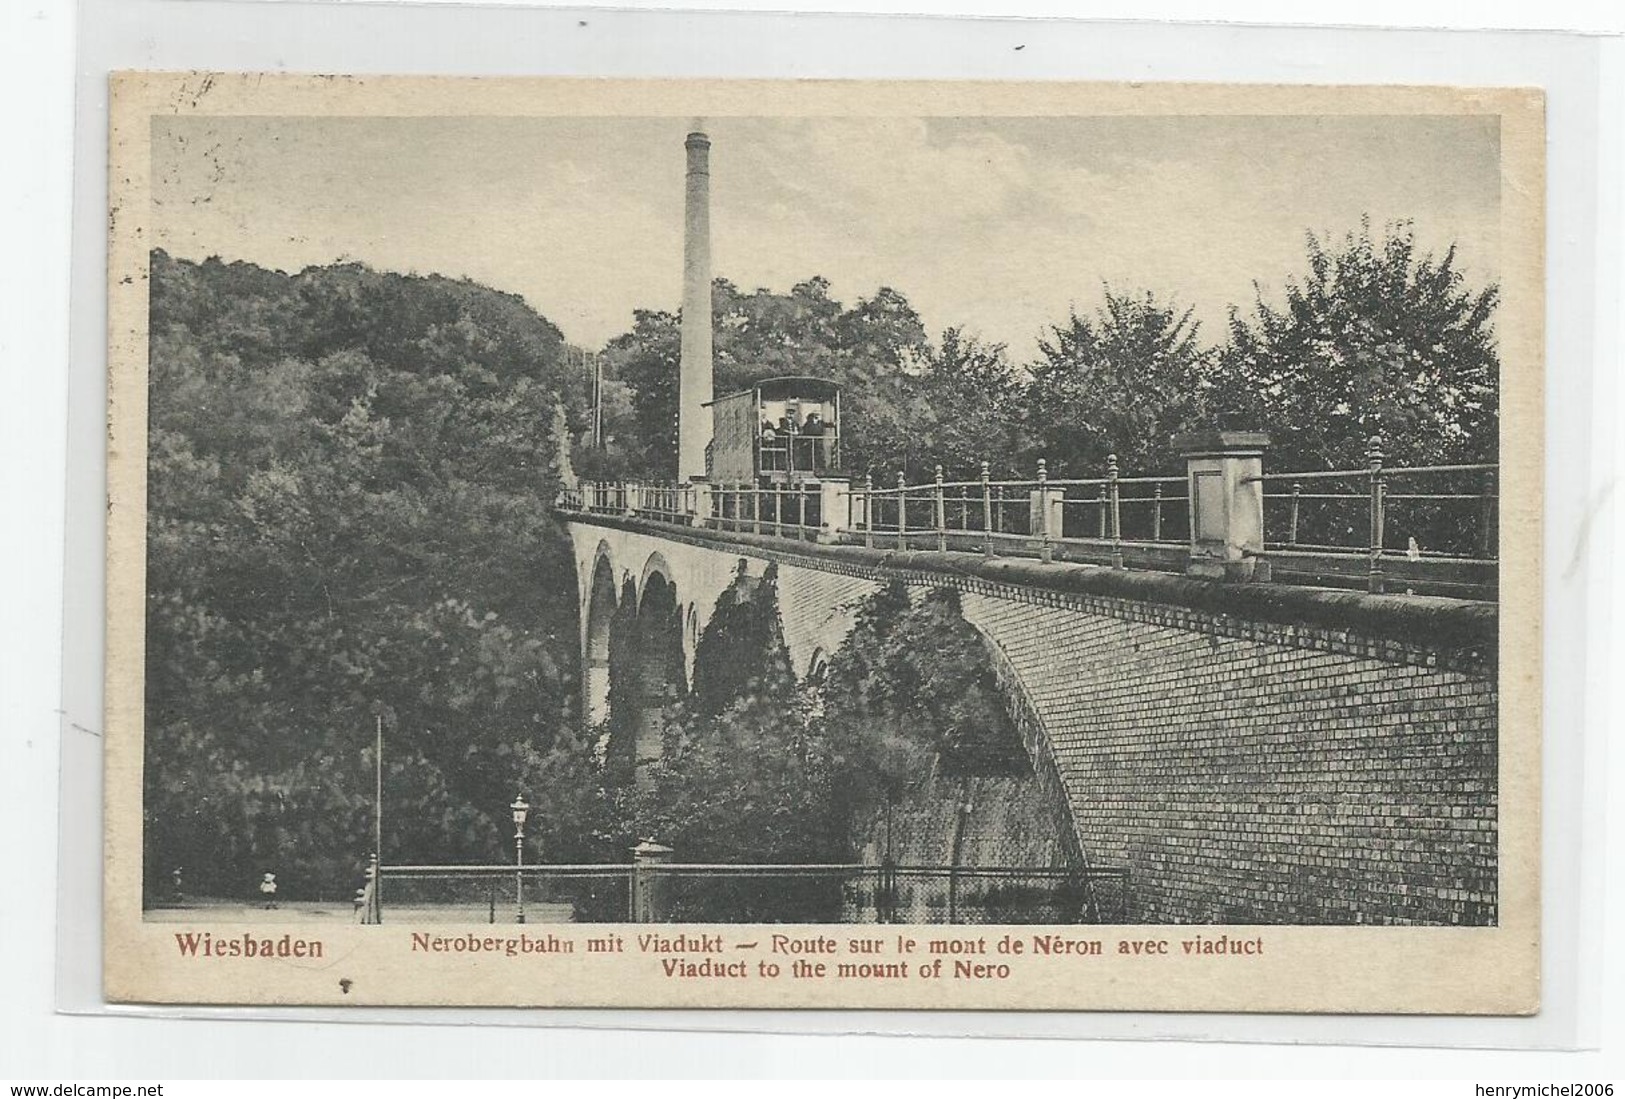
column 349, row 475
column 743, row 777
column 867, row 348
column 911, row 694
column 1124, row 381
column 967, row 410
column 760, row 767
column 1375, row 339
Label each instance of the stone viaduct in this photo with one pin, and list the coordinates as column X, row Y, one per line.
column 1250, row 753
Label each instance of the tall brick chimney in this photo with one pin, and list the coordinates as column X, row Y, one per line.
column 694, row 381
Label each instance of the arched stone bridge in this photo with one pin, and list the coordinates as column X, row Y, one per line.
column 1252, row 753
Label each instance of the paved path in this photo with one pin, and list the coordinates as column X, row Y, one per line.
column 206, row 910
column 223, row 911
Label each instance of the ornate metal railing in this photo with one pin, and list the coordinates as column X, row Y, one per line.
column 1025, row 518
column 1455, row 504
column 1422, row 529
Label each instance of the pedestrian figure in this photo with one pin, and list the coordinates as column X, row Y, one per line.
column 268, row 889
column 175, row 883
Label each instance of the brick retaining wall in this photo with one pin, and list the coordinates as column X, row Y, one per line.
column 1256, row 780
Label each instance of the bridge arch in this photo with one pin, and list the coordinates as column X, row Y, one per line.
column 817, row 667
column 655, row 566
column 1035, row 740
column 596, row 619
column 650, row 665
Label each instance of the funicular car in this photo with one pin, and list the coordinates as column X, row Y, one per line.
column 771, row 445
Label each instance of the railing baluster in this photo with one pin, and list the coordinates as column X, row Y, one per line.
column 1292, row 515
column 778, row 510
column 1156, row 512
column 869, row 510
column 1373, row 453
column 902, row 511
column 801, row 511
column 1488, row 542
column 941, row 516
column 1117, row 515
column 987, row 515
column 1045, row 551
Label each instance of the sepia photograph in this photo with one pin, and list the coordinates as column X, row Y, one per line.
column 917, row 550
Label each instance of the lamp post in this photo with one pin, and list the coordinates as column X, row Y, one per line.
column 520, row 812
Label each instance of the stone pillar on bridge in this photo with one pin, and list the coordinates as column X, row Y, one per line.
column 1226, row 503
column 834, row 505
column 1046, row 513
column 648, row 888
column 700, row 503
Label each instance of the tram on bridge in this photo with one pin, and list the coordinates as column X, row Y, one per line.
column 780, row 431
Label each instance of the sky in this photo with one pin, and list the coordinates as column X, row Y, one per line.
column 1000, row 226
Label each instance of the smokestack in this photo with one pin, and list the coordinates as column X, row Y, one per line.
column 694, row 384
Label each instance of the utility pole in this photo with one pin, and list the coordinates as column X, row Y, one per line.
column 378, row 786
column 597, row 401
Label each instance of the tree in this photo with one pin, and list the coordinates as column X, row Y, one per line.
column 742, row 777
column 879, row 334
column 646, row 360
column 1124, row 381
column 967, row 409
column 872, row 348
column 911, row 695
column 763, row 334
column 1376, row 339
column 345, row 470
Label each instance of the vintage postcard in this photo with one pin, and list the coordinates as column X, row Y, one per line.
column 824, row 544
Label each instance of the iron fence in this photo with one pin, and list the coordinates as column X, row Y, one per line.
column 1343, row 522
column 1081, row 519
column 744, row 893
column 1424, row 529
column 783, row 510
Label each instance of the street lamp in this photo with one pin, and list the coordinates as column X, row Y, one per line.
column 520, row 812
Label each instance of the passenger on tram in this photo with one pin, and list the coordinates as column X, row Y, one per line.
column 772, row 449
